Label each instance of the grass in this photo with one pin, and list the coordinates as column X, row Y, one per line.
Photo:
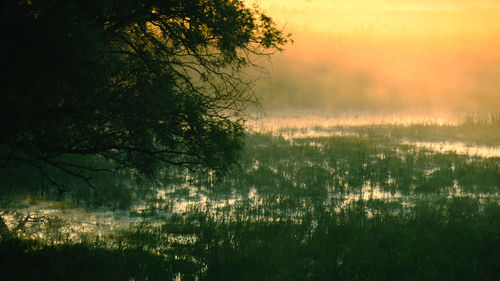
column 440, row 239
column 34, row 260
column 363, row 206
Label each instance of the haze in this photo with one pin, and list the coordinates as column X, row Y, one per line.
column 385, row 56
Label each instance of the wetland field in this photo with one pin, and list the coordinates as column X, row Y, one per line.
column 311, row 199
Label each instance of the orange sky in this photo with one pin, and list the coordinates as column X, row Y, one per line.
column 442, row 55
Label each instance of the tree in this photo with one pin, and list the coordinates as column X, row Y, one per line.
column 139, row 83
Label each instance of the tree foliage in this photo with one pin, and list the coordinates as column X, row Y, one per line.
column 140, row 83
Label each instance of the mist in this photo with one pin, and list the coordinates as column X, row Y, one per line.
column 422, row 61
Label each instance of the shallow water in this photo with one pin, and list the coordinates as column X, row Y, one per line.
column 49, row 217
column 312, row 127
column 458, row 147
column 275, row 123
column 75, row 221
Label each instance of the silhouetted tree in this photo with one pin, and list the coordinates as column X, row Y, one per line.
column 140, row 83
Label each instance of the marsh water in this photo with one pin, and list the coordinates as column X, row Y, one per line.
column 289, row 160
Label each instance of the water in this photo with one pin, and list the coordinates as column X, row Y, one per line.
column 49, row 217
column 310, row 122
column 73, row 222
column 313, row 127
column 458, row 147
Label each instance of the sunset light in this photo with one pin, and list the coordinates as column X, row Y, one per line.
column 250, row 140
column 417, row 55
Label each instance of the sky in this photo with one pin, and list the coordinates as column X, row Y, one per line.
column 385, row 56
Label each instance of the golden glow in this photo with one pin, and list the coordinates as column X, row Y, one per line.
column 384, row 16
column 431, row 53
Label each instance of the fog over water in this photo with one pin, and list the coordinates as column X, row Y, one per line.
column 421, row 57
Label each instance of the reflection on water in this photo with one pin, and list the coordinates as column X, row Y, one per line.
column 458, row 147
column 180, row 199
column 290, row 128
column 45, row 218
column 277, row 123
column 369, row 191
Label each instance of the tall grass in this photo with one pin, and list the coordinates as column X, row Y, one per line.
column 344, row 207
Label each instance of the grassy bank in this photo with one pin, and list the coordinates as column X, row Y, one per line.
column 443, row 239
column 361, row 206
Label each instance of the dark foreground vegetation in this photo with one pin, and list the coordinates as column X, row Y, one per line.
column 135, row 109
column 446, row 239
column 342, row 207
